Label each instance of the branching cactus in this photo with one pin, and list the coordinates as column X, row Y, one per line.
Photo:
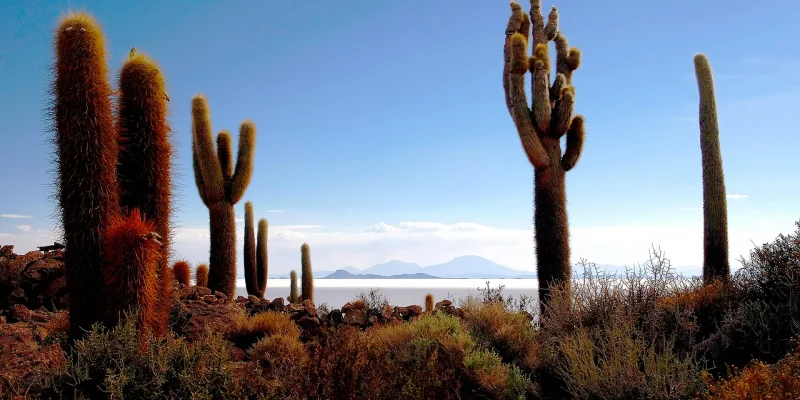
column 87, row 149
column 201, row 275
column 131, row 282
column 308, row 276
column 250, row 275
column 144, row 168
column 220, row 187
column 541, row 127
column 262, row 260
column 716, row 265
column 294, row 297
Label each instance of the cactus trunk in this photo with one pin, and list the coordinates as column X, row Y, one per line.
column 250, row 275
column 87, row 148
column 222, row 257
column 308, row 277
column 293, row 296
column 262, row 259
column 551, row 230
column 715, row 208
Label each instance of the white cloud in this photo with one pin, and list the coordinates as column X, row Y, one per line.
column 737, row 196
column 24, row 228
column 276, row 211
column 15, row 216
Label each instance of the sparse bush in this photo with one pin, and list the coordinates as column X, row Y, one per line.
column 759, row 381
column 374, row 299
column 249, row 330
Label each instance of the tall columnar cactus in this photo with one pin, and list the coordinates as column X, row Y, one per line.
column 540, row 129
column 250, row 275
column 201, row 275
column 221, row 187
column 144, row 166
column 429, row 303
column 130, row 279
column 262, row 259
column 87, row 148
column 308, row 277
column 294, row 297
column 182, row 272
column 715, row 208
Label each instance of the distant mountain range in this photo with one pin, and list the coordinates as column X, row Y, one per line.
column 474, row 267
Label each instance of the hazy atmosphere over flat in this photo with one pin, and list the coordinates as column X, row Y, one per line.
column 382, row 132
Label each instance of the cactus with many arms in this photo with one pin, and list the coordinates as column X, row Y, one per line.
column 144, row 165
column 201, row 275
column 540, row 129
column 220, row 187
column 130, row 279
column 86, row 149
column 715, row 208
column 262, row 260
column 308, row 276
column 294, row 297
column 250, row 276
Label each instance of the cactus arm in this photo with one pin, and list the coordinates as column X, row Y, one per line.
column 225, row 154
column 244, row 162
column 575, row 137
column 567, row 59
column 514, row 81
column 537, row 23
column 198, row 175
column 562, row 112
column 539, row 65
column 555, row 89
column 208, row 163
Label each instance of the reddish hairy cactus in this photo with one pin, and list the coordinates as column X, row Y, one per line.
column 86, row 148
column 201, row 275
column 131, row 282
column 182, row 273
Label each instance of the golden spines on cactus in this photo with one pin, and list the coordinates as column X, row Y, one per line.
column 429, row 303
column 201, row 275
column 220, row 190
column 294, row 297
column 716, row 265
column 182, row 272
column 250, row 274
column 131, row 282
column 262, row 257
column 86, row 148
column 308, row 276
column 540, row 126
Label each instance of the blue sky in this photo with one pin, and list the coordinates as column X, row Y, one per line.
column 383, row 133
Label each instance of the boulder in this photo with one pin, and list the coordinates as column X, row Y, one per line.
column 24, row 356
column 203, row 317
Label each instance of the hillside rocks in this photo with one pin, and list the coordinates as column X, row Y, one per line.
column 34, row 279
column 27, row 348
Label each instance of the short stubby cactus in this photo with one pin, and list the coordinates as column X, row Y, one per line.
column 182, row 273
column 87, row 149
column 294, row 297
column 429, row 303
column 716, row 265
column 220, row 187
column 201, row 275
column 541, row 127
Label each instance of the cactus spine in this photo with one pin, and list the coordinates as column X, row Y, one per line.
column 540, row 129
column 201, row 275
column 262, row 265
column 293, row 296
column 715, row 208
column 250, row 276
column 182, row 273
column 429, row 303
column 308, row 277
column 144, row 164
column 87, row 149
column 131, row 281
column 220, row 187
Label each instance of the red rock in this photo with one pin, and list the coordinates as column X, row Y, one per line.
column 23, row 357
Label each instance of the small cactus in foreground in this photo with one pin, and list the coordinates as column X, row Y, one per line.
column 294, row 297
column 220, row 187
column 262, row 260
column 715, row 207
column 308, row 277
column 182, row 273
column 250, row 274
column 131, row 281
column 86, row 148
column 429, row 303
column 201, row 275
